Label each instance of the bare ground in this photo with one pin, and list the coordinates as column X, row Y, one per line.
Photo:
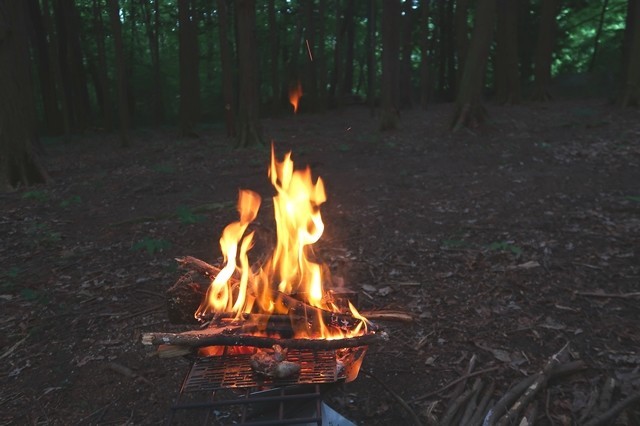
column 500, row 242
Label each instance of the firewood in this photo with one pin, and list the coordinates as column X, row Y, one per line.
column 197, row 339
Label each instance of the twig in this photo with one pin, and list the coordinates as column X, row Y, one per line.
column 401, row 401
column 609, row 295
column 126, row 371
column 13, row 348
column 614, row 411
column 606, row 394
column 453, row 383
column 144, row 311
column 454, row 407
column 478, row 414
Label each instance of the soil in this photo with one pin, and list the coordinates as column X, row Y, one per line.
column 505, row 243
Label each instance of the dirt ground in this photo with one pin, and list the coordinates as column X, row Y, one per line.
column 504, row 243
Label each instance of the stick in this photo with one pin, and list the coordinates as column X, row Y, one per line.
column 401, row 401
column 484, row 402
column 609, row 295
column 453, row 383
column 197, row 339
column 607, row 416
column 538, row 383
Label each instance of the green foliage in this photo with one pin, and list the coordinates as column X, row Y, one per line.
column 42, row 234
column 187, row 216
column 164, row 168
column 71, row 201
column 8, row 279
column 453, row 243
column 505, row 246
column 151, row 245
column 635, row 198
column 36, row 194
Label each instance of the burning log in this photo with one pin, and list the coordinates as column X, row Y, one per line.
column 184, row 297
column 198, row 339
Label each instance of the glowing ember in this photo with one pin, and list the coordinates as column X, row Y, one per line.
column 290, row 272
column 295, row 93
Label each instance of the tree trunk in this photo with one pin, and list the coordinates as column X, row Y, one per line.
column 310, row 71
column 406, row 90
column 335, row 87
column 104, row 97
column 596, row 39
column 507, row 75
column 18, row 163
column 153, row 29
column 544, row 49
column 350, row 33
column 189, row 79
column 526, row 43
column 52, row 115
column 391, row 10
column 461, row 35
column 227, row 69
column 274, row 63
column 371, row 48
column 249, row 128
column 468, row 109
column 121, row 78
column 424, row 54
column 631, row 92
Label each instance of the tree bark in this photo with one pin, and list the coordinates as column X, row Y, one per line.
column 337, row 81
column 391, row 10
column 631, row 92
column 468, row 109
column 275, row 58
column 320, row 56
column 507, row 75
column 249, row 130
column 405, row 86
column 19, row 164
column 544, row 49
column 596, row 39
column 350, row 33
column 121, row 78
column 310, row 71
column 189, row 78
column 226, row 63
column 461, row 35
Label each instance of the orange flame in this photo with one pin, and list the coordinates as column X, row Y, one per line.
column 290, row 270
column 295, row 93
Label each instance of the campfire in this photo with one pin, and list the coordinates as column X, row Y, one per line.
column 272, row 322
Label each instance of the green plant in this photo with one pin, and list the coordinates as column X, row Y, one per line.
column 453, row 243
column 635, row 198
column 42, row 234
column 164, row 168
column 73, row 200
column 344, row 147
column 151, row 245
column 187, row 216
column 35, row 195
column 8, row 282
column 505, row 246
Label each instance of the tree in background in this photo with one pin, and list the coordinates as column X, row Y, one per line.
column 507, row 74
column 544, row 49
column 121, row 76
column 189, row 75
column 228, row 97
column 631, row 92
column 249, row 130
column 391, row 10
column 153, row 30
column 425, row 87
column 468, row 108
column 19, row 164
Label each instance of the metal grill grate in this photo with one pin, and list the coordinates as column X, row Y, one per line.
column 234, row 371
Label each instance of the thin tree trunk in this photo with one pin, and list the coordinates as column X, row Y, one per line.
column 461, row 35
column 153, row 29
column 274, row 63
column 631, row 92
column 229, row 106
column 102, row 74
column 350, row 33
column 371, row 48
column 596, row 39
column 189, row 79
column 468, row 109
column 121, row 78
column 18, row 163
column 249, row 128
column 544, row 49
column 320, row 56
column 391, row 10
column 52, row 117
column 507, row 75
column 310, row 73
column 335, row 88
column 79, row 87
column 406, row 90
column 424, row 53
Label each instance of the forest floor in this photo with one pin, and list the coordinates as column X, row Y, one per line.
column 505, row 244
